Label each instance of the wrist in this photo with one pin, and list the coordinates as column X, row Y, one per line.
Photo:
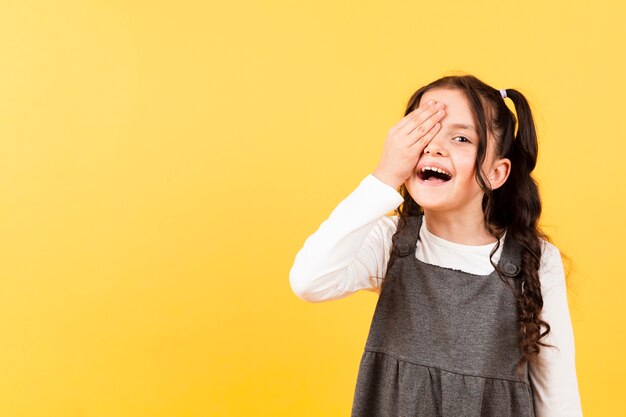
column 387, row 179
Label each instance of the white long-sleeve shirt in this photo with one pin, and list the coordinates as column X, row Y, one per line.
column 350, row 250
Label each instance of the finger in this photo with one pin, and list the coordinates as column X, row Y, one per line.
column 424, row 140
column 423, row 118
column 421, row 129
column 414, row 113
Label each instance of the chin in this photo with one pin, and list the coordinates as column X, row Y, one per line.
column 429, row 200
column 433, row 205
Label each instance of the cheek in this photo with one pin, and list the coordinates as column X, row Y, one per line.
column 465, row 166
column 411, row 184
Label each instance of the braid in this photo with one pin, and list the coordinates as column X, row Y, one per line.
column 521, row 202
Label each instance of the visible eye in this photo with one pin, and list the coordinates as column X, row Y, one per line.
column 461, row 139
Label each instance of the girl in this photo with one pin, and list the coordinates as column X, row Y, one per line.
column 472, row 316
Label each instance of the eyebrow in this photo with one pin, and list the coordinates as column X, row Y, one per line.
column 463, row 126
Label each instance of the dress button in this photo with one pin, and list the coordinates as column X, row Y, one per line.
column 510, row 269
column 404, row 249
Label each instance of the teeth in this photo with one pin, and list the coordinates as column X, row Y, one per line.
column 441, row 171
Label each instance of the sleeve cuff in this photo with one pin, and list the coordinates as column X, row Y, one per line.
column 388, row 196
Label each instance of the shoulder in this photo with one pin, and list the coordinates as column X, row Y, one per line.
column 551, row 270
column 549, row 250
column 395, row 219
column 391, row 222
column 381, row 233
column 550, row 254
column 388, row 224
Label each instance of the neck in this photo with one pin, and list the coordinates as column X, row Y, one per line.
column 466, row 228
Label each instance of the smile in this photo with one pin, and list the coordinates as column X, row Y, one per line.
column 433, row 175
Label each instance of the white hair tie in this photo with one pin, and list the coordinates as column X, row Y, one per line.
column 503, row 93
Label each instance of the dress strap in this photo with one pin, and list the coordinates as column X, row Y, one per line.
column 407, row 237
column 511, row 259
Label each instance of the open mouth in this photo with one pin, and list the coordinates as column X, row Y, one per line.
column 433, row 174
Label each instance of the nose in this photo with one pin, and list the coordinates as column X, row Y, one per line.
column 435, row 146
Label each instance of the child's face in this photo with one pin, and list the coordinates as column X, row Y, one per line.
column 453, row 149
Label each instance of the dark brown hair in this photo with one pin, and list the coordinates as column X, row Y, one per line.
column 515, row 207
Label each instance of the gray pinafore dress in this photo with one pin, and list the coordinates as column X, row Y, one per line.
column 443, row 342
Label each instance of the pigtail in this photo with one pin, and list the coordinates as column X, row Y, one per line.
column 519, row 206
column 525, row 146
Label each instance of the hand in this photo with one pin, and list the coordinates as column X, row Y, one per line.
column 406, row 142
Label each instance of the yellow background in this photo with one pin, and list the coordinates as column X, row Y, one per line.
column 161, row 163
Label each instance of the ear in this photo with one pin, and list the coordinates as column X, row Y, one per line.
column 499, row 173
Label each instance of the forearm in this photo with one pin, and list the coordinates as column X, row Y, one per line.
column 345, row 251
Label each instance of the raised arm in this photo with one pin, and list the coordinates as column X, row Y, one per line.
column 350, row 250
column 555, row 385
